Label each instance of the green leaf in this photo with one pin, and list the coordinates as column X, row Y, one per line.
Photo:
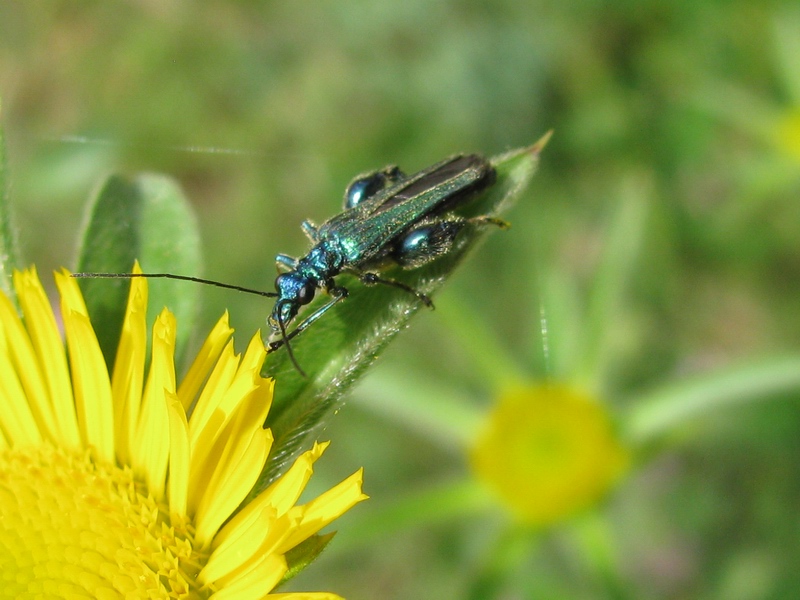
column 146, row 218
column 306, row 552
column 8, row 246
column 338, row 348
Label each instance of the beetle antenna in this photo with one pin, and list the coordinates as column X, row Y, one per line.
column 284, row 336
column 289, row 351
column 219, row 284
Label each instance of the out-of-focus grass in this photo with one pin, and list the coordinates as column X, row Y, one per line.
column 679, row 113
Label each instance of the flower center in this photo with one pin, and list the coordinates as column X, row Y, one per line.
column 70, row 526
column 548, row 451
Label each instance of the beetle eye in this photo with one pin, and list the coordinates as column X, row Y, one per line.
column 306, row 293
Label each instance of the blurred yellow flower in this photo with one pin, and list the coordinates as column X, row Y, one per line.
column 548, row 451
column 788, row 133
column 109, row 490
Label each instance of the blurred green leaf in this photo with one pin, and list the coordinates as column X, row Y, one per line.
column 339, row 348
column 414, row 509
column 495, row 363
column 146, row 218
column 8, row 247
column 432, row 409
column 664, row 410
column 610, row 287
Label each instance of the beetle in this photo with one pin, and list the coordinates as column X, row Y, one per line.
column 388, row 218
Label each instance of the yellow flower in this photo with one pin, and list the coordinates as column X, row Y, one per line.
column 548, row 451
column 109, row 490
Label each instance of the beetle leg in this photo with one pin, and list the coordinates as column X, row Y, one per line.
column 373, row 279
column 285, row 263
column 310, row 230
column 336, row 294
column 487, row 220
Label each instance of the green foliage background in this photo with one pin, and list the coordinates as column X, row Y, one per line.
column 660, row 241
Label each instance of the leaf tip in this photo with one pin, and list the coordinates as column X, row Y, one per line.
column 539, row 145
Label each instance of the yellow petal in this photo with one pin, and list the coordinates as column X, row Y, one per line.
column 262, row 537
column 16, row 419
column 284, row 492
column 326, row 508
column 41, row 325
column 24, row 363
column 236, row 473
column 178, row 487
column 127, row 380
column 206, row 420
column 90, row 382
column 150, row 456
column 257, row 582
column 204, row 362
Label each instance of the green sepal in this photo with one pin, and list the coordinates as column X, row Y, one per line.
column 8, row 245
column 337, row 349
column 144, row 218
column 306, row 552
